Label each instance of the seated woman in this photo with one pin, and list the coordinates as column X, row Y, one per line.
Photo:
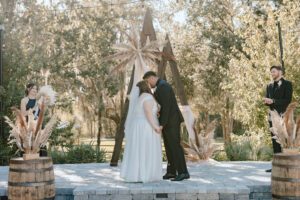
column 30, row 102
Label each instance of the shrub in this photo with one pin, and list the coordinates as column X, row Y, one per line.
column 265, row 153
column 238, row 150
column 58, row 157
column 250, row 146
column 220, row 156
column 7, row 152
column 63, row 137
column 83, row 153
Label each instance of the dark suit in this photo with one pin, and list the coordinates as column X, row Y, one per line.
column 170, row 118
column 282, row 97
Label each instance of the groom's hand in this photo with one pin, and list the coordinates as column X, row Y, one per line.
column 268, row 101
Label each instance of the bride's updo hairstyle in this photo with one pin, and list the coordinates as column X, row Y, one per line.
column 144, row 87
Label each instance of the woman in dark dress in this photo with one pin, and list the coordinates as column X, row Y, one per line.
column 30, row 102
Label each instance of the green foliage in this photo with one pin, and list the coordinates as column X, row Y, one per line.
column 238, row 151
column 164, row 156
column 265, row 153
column 7, row 152
column 71, row 44
column 220, row 156
column 83, row 153
column 58, row 157
column 249, row 146
column 63, row 137
column 223, row 51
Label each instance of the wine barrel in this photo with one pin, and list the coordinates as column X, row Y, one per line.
column 286, row 176
column 31, row 179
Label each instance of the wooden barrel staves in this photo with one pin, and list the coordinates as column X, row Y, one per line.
column 31, row 179
column 286, row 176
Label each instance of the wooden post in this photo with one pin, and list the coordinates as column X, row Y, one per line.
column 280, row 47
column 162, row 65
column 175, row 72
column 169, row 55
column 148, row 29
column 1, row 82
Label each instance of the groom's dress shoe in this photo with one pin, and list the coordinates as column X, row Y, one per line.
column 181, row 177
column 168, row 176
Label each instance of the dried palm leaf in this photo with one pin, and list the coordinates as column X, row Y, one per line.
column 31, row 122
column 121, row 66
column 44, row 134
column 20, row 118
column 202, row 148
column 286, row 131
column 289, row 118
column 14, row 134
column 209, row 133
column 126, row 54
column 278, row 128
column 297, row 137
column 40, row 119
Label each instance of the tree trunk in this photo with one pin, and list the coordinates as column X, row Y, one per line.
column 120, row 130
column 100, row 127
column 91, row 128
column 123, row 78
column 227, row 122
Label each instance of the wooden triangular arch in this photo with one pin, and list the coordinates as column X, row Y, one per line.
column 167, row 56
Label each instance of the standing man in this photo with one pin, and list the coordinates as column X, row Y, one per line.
column 170, row 119
column 278, row 97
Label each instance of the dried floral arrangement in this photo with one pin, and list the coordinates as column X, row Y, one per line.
column 28, row 135
column 202, row 148
column 285, row 128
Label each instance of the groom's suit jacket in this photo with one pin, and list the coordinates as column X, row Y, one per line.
column 170, row 112
column 281, row 95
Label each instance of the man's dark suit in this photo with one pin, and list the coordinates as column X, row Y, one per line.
column 170, row 118
column 282, row 97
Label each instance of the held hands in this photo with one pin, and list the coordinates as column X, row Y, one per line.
column 158, row 130
column 268, row 101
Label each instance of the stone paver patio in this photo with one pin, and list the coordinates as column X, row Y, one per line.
column 209, row 180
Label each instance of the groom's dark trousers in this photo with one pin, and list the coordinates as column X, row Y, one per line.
column 170, row 118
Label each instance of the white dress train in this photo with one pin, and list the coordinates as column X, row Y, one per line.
column 142, row 159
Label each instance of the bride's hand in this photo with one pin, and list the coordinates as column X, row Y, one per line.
column 157, row 130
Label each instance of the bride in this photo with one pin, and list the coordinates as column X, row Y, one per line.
column 142, row 160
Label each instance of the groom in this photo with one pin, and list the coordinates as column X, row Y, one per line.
column 278, row 97
column 170, row 119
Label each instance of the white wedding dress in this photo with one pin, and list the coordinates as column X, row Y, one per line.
column 142, row 159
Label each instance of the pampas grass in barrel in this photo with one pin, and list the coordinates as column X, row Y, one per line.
column 286, row 129
column 32, row 177
column 286, row 165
